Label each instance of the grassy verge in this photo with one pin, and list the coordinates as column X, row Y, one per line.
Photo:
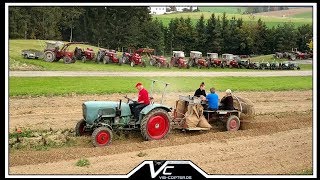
column 47, row 86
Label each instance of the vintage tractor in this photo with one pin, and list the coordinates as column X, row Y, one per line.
column 133, row 59
column 101, row 118
column 57, row 50
column 213, row 60
column 100, row 54
column 177, row 60
column 229, row 61
column 197, row 60
column 264, row 65
column 84, row 55
column 111, row 57
column 287, row 65
column 243, row 63
column 275, row 65
column 159, row 61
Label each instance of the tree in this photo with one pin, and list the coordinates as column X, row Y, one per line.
column 201, row 35
column 70, row 17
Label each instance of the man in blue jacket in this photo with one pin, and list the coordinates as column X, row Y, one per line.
column 213, row 100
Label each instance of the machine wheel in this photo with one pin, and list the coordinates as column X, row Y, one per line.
column 152, row 62
column 67, row 60
column 199, row 66
column 132, row 64
column 159, row 65
column 233, row 123
column 83, row 59
column 143, row 64
column 102, row 136
column 168, row 65
column 106, row 59
column 49, row 56
column 155, row 125
column 79, row 129
column 188, row 67
column 179, row 66
column 298, row 68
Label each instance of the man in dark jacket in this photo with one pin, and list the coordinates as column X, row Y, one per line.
column 226, row 102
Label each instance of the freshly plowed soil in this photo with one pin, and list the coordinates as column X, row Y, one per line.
column 277, row 141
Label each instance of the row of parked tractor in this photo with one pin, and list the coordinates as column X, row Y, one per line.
column 55, row 51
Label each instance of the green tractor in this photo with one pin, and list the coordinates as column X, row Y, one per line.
column 101, row 118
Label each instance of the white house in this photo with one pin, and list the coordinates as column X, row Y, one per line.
column 157, row 9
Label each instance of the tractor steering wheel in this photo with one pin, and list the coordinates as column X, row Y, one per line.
column 129, row 99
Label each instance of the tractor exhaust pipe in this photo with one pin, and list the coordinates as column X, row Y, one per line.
column 118, row 110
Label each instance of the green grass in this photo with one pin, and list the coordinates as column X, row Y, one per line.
column 83, row 162
column 305, row 15
column 48, row 86
column 229, row 10
column 306, row 172
column 269, row 20
column 16, row 61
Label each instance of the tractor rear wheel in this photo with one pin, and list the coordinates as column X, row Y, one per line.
column 102, row 136
column 49, row 56
column 67, row 60
column 80, row 130
column 233, row 123
column 155, row 125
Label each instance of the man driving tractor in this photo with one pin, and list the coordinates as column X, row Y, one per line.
column 143, row 101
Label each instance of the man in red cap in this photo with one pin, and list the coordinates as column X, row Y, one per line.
column 143, row 100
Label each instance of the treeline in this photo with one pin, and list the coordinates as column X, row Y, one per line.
column 124, row 28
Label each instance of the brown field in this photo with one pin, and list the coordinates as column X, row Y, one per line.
column 285, row 13
column 277, row 141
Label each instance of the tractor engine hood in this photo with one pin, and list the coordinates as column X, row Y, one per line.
column 93, row 109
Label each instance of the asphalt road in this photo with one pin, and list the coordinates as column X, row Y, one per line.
column 158, row 74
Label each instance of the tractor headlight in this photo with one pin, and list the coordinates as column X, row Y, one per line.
column 84, row 111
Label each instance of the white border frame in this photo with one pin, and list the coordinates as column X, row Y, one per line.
column 314, row 5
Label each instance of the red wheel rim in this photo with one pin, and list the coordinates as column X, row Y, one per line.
column 102, row 137
column 233, row 124
column 157, row 126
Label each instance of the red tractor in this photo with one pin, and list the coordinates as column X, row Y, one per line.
column 84, row 55
column 197, row 60
column 230, row 60
column 177, row 60
column 133, row 59
column 213, row 59
column 57, row 50
column 159, row 61
column 111, row 57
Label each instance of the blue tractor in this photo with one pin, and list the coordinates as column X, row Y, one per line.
column 101, row 118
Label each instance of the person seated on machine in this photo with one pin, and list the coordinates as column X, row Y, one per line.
column 143, row 101
column 213, row 100
column 226, row 102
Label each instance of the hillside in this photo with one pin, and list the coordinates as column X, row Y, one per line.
column 269, row 20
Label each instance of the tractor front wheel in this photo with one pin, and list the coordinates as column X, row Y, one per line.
column 49, row 56
column 233, row 123
column 106, row 60
column 83, row 59
column 155, row 125
column 102, row 136
column 67, row 60
column 144, row 64
column 132, row 64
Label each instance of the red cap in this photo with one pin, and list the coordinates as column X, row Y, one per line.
column 138, row 84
